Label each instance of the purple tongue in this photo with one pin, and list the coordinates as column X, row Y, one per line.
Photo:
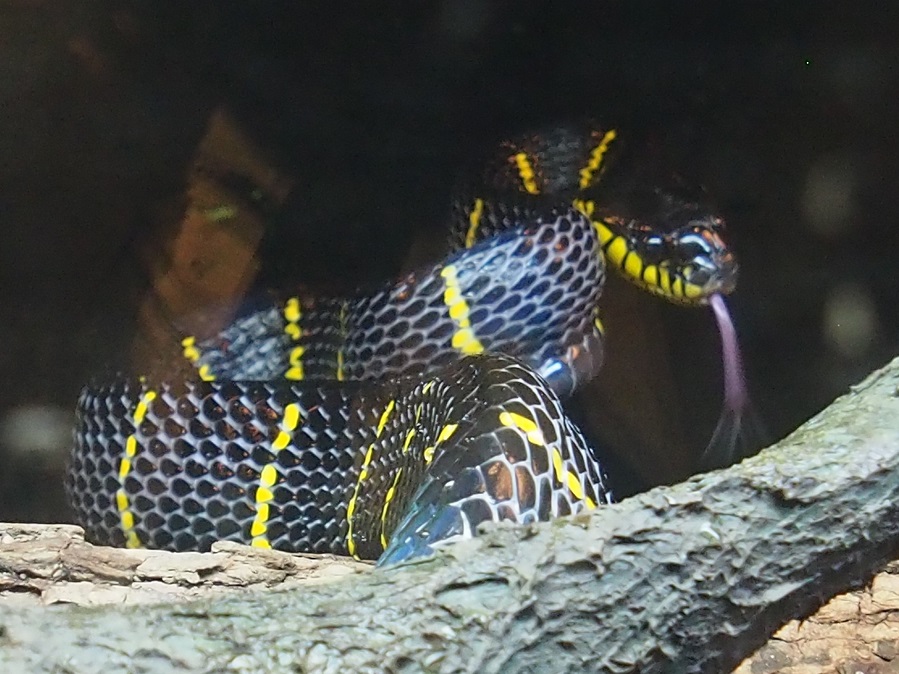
column 729, row 441
column 736, row 395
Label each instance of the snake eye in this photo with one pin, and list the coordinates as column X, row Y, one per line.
column 654, row 248
column 691, row 246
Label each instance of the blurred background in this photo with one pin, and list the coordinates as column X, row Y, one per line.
column 164, row 159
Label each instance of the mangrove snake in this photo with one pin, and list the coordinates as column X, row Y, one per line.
column 391, row 422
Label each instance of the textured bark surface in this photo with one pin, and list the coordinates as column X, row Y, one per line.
column 50, row 564
column 691, row 578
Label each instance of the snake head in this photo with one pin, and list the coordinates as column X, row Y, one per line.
column 668, row 244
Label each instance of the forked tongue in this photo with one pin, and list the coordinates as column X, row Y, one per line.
column 738, row 430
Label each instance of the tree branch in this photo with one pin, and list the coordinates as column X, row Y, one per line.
column 689, row 578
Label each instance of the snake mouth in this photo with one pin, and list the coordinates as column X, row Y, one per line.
column 703, row 260
column 716, row 276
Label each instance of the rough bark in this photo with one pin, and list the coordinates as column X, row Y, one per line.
column 51, row 564
column 689, row 578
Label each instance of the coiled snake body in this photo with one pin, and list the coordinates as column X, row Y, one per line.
column 443, row 408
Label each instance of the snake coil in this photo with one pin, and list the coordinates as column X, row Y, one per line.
column 389, row 423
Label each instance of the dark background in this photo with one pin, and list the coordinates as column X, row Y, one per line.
column 785, row 112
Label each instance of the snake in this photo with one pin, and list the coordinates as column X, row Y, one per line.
column 387, row 424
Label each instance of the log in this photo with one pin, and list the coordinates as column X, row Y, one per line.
column 688, row 578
